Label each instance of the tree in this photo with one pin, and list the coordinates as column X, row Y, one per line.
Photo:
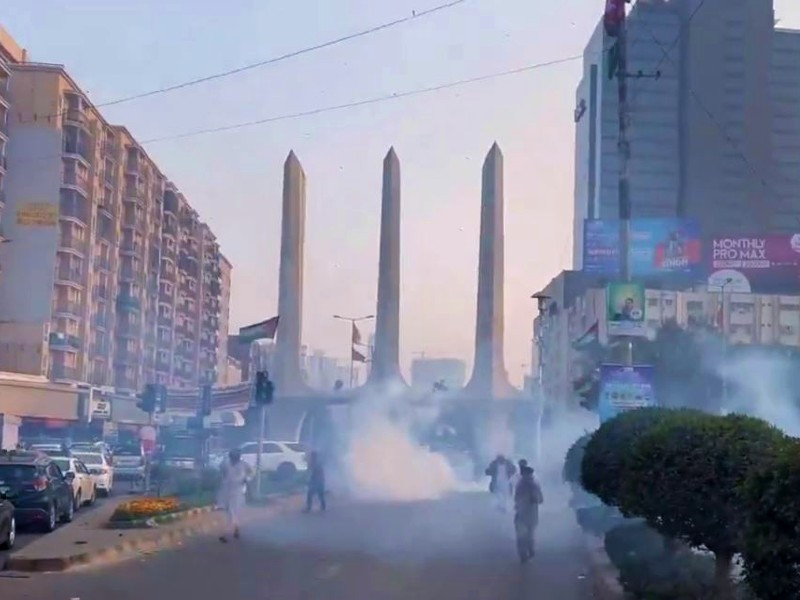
column 572, row 461
column 685, row 475
column 771, row 542
column 606, row 451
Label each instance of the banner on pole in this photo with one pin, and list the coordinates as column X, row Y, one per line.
column 625, row 310
column 625, row 388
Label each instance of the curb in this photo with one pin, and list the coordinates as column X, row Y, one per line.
column 153, row 522
column 62, row 563
column 604, row 576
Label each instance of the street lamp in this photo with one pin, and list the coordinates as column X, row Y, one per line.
column 352, row 321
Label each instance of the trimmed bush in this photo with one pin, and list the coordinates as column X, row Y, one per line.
column 606, row 451
column 572, row 461
column 685, row 475
column 772, row 536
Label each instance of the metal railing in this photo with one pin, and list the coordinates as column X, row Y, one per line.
column 69, row 306
column 73, row 275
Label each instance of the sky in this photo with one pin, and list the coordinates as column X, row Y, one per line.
column 117, row 48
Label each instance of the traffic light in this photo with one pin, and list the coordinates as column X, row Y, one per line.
column 148, row 398
column 265, row 389
column 162, row 398
column 205, row 401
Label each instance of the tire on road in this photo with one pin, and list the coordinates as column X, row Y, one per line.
column 52, row 518
column 69, row 514
column 285, row 471
column 11, row 535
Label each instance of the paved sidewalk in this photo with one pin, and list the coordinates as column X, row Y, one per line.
column 88, row 540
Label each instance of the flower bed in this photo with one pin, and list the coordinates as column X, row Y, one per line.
column 145, row 508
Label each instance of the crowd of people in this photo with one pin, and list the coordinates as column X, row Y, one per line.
column 512, row 487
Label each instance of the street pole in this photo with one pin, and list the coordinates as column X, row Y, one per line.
column 624, row 149
column 726, row 308
column 261, row 428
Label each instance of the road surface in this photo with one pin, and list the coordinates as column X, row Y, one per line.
column 454, row 548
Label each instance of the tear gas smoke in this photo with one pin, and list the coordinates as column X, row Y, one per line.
column 383, row 458
column 765, row 387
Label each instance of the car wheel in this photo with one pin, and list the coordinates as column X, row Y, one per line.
column 69, row 514
column 285, row 471
column 93, row 497
column 78, row 501
column 11, row 537
column 52, row 518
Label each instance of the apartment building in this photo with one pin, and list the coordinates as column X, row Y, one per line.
column 104, row 273
column 758, row 319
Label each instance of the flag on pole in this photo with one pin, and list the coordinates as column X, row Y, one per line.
column 614, row 17
column 356, row 336
column 259, row 331
column 356, row 356
column 587, row 339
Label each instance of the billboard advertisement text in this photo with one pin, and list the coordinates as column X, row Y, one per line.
column 760, row 263
column 625, row 388
column 658, row 246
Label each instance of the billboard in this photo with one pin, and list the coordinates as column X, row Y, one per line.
column 625, row 309
column 755, row 263
column 625, row 388
column 658, row 246
column 37, row 214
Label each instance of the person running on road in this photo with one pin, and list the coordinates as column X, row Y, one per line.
column 235, row 475
column 316, row 481
column 501, row 470
column 527, row 498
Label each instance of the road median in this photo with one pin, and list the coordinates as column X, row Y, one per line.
column 91, row 541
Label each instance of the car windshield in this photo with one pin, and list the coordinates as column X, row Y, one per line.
column 296, row 446
column 63, row 464
column 127, row 451
column 16, row 473
column 90, row 459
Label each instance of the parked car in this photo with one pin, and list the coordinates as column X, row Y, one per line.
column 129, row 462
column 100, row 469
column 101, row 447
column 39, row 491
column 49, row 447
column 283, row 458
column 84, row 489
column 8, row 525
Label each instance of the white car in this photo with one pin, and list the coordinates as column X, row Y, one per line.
column 101, row 470
column 84, row 489
column 283, row 458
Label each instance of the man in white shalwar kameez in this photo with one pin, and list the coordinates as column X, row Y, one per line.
column 235, row 475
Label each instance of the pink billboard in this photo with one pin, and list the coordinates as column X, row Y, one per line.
column 762, row 263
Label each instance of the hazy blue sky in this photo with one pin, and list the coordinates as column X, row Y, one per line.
column 115, row 48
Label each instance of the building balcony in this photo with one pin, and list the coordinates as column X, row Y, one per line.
column 101, row 293
column 130, row 248
column 186, row 331
column 99, row 377
column 77, row 150
column 168, row 274
column 126, row 357
column 75, row 116
column 128, row 274
column 59, row 371
column 64, row 342
column 72, row 245
column 79, row 182
column 131, row 222
column 68, row 308
column 101, row 321
column 162, row 365
column 101, row 348
column 128, row 302
column 70, row 277
column 110, row 149
column 3, row 164
column 102, row 263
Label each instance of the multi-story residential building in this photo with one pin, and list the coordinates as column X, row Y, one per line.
column 103, row 281
column 576, row 305
column 715, row 137
column 224, row 318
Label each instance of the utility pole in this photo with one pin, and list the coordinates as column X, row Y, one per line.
column 264, row 392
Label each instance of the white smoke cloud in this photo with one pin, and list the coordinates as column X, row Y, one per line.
column 383, row 458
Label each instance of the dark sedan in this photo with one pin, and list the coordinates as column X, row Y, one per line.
column 40, row 492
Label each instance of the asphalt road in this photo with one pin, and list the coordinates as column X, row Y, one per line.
column 453, row 548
